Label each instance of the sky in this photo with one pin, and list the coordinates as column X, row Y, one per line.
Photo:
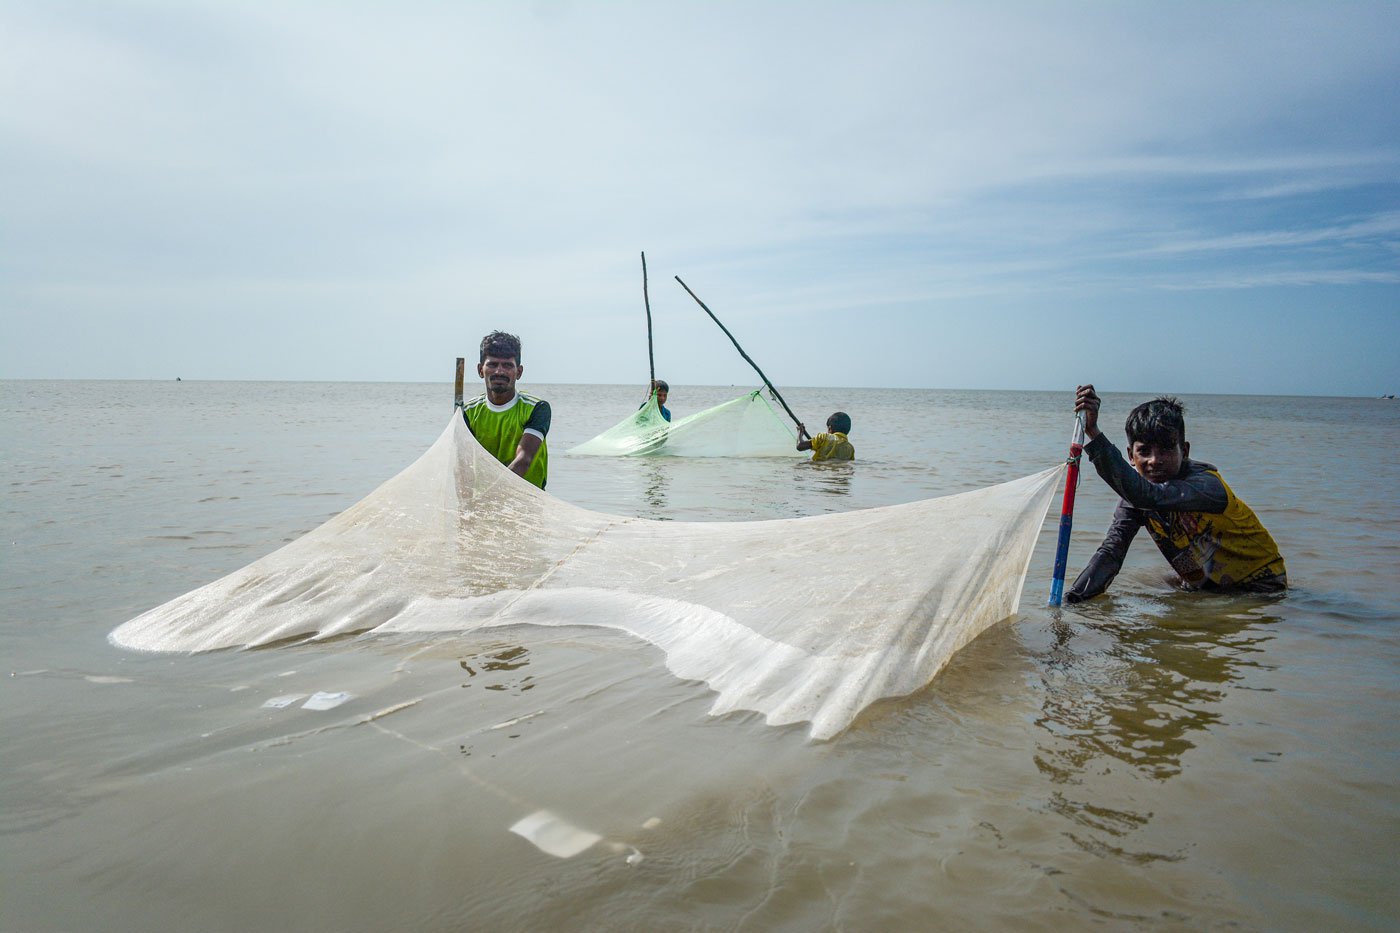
column 1177, row 197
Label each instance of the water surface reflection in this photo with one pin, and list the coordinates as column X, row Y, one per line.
column 1140, row 686
column 1140, row 699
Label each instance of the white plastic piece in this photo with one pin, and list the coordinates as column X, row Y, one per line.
column 554, row 835
column 323, row 700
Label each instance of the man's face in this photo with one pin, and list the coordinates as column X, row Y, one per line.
column 1155, row 462
column 500, row 373
column 661, row 396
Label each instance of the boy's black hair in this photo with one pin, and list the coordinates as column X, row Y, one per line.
column 500, row 344
column 661, row 386
column 1161, row 422
column 840, row 422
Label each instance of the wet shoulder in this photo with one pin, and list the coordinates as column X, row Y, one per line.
column 1196, row 467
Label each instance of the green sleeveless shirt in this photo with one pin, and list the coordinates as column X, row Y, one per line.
column 499, row 429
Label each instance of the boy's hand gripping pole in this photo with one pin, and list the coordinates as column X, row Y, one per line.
column 1076, row 449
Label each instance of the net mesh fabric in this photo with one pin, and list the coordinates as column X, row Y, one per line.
column 802, row 620
column 745, row 427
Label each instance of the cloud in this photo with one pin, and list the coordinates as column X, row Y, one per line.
column 1286, row 279
column 422, row 159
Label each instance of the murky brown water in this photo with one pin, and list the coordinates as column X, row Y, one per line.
column 1153, row 760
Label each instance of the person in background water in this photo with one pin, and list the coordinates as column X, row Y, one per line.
column 1210, row 537
column 833, row 445
column 661, row 389
column 509, row 424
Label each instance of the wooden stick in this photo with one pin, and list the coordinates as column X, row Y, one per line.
column 741, row 352
column 651, row 360
column 461, row 366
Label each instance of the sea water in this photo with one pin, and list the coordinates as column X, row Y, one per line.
column 1151, row 759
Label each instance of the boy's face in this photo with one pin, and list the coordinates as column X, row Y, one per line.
column 661, row 396
column 1157, row 462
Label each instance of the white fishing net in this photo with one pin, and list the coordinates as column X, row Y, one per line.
column 746, row 427
column 803, row 620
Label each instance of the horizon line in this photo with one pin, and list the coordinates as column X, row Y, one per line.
column 697, row 385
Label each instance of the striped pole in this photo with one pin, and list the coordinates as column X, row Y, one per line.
column 1076, row 448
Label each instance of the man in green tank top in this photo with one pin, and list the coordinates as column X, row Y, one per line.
column 509, row 424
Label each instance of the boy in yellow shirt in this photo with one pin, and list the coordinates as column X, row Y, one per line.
column 832, row 445
column 1212, row 539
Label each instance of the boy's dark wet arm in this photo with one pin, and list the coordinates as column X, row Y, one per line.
column 1093, row 579
column 1197, row 492
column 1108, row 559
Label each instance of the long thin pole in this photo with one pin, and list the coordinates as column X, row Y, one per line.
column 651, row 359
column 741, row 352
column 461, row 366
column 1076, row 449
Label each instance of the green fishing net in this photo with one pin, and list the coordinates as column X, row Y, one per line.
column 748, row 426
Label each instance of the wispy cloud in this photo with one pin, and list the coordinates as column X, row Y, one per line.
column 1384, row 228
column 1284, row 279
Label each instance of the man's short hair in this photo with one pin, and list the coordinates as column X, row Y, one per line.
column 1161, row 422
column 840, row 422
column 661, row 386
column 500, row 344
